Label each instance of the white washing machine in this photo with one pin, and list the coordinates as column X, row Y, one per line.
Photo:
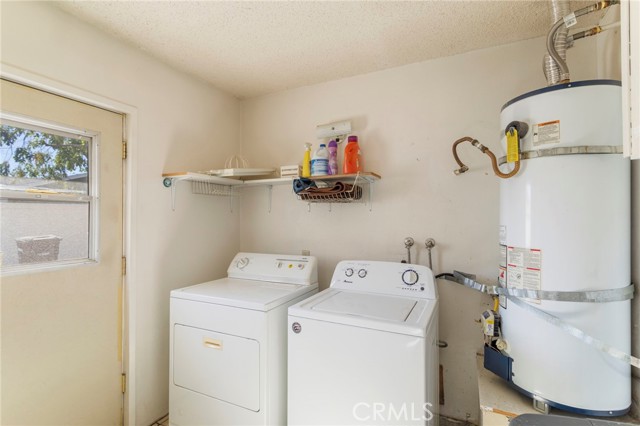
column 364, row 351
column 228, row 362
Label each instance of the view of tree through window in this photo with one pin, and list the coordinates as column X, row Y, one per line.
column 28, row 153
column 45, row 200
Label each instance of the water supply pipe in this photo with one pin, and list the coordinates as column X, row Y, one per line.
column 429, row 245
column 591, row 31
column 408, row 243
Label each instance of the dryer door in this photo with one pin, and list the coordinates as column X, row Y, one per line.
column 218, row 365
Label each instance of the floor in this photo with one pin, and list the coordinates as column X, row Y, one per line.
column 443, row 422
column 446, row 421
column 164, row 421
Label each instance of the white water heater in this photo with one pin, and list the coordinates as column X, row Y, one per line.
column 565, row 226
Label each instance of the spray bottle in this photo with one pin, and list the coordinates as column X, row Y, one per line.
column 306, row 162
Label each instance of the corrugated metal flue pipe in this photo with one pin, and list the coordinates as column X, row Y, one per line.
column 561, row 25
column 558, row 10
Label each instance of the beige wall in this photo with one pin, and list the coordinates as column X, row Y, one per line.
column 407, row 119
column 182, row 124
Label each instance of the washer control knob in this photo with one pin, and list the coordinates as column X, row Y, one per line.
column 242, row 262
column 349, row 272
column 362, row 273
column 410, row 277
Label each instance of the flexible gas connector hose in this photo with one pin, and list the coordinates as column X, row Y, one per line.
column 562, row 64
column 485, row 150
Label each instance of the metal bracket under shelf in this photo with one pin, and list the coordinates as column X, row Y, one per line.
column 199, row 186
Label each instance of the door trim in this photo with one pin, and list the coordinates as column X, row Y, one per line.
column 21, row 76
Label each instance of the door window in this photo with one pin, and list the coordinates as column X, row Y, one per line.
column 48, row 194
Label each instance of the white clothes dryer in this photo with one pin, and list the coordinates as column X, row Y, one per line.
column 364, row 351
column 228, row 361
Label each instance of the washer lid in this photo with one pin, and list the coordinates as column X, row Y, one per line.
column 395, row 314
column 374, row 306
column 248, row 294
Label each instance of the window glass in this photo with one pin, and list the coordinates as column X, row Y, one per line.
column 45, row 195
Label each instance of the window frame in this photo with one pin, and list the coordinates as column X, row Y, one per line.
column 92, row 198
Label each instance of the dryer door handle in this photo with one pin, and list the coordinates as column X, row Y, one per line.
column 212, row 343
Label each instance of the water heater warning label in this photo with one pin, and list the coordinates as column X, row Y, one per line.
column 502, row 266
column 524, row 268
column 545, row 133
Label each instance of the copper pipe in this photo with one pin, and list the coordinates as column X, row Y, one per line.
column 454, row 148
column 496, row 169
column 494, row 162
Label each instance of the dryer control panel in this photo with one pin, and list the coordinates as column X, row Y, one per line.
column 401, row 279
column 279, row 268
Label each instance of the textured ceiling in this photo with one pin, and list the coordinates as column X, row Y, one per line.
column 251, row 48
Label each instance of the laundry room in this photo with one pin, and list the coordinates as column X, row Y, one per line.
column 215, row 109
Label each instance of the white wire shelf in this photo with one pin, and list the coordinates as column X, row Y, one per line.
column 358, row 186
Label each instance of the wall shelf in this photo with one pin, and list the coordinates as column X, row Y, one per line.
column 202, row 183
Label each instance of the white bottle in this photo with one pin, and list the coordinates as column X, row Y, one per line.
column 320, row 161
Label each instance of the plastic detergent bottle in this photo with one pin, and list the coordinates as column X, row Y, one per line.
column 306, row 161
column 352, row 161
column 333, row 158
column 320, row 161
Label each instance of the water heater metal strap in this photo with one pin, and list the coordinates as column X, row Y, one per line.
column 598, row 296
column 589, row 296
column 567, row 150
column 576, row 332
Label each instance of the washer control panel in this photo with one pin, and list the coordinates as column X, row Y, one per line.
column 274, row 267
column 386, row 278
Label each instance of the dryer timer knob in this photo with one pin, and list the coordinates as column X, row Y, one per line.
column 410, row 277
column 242, row 262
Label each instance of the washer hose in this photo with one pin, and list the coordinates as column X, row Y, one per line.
column 485, row 150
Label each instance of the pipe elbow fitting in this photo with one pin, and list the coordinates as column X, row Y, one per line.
column 460, row 171
column 478, row 145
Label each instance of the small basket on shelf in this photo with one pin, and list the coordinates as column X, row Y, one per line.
column 312, row 191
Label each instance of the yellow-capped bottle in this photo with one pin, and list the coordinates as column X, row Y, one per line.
column 306, row 161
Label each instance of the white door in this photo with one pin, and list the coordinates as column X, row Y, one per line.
column 62, row 275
